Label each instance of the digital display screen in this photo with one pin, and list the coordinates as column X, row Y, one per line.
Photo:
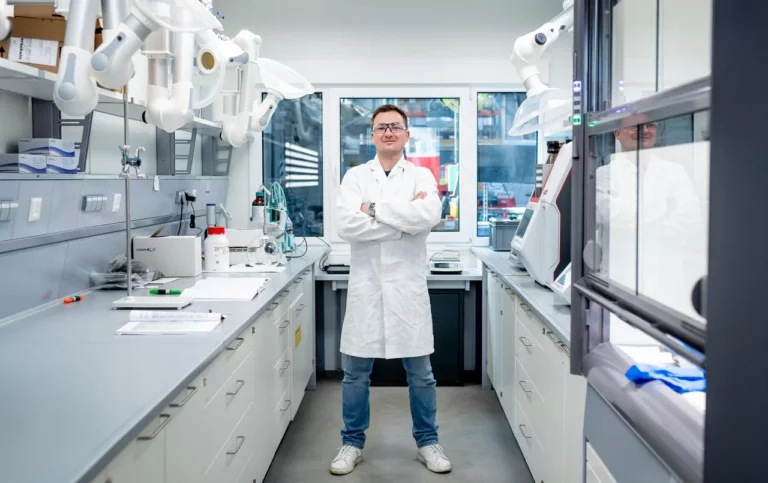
column 524, row 223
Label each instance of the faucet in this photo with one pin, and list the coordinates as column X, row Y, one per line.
column 227, row 216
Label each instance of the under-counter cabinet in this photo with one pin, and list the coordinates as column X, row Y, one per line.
column 226, row 425
column 529, row 368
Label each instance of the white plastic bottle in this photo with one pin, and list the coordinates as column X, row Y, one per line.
column 216, row 250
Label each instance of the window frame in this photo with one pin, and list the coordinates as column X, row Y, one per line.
column 467, row 152
column 541, row 151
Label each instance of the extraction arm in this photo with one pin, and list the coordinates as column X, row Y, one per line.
column 541, row 99
column 5, row 24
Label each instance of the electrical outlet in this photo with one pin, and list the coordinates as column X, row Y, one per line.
column 8, row 210
column 156, row 183
column 35, row 209
column 93, row 202
column 180, row 196
column 116, row 199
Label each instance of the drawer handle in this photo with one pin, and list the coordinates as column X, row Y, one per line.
column 509, row 291
column 240, row 441
column 191, row 390
column 523, row 341
column 240, row 384
column 564, row 348
column 298, row 280
column 525, row 307
column 166, row 418
column 286, row 324
column 286, row 365
column 238, row 342
column 301, row 307
column 285, row 293
column 523, row 387
column 273, row 306
column 286, row 406
column 521, row 426
column 551, row 336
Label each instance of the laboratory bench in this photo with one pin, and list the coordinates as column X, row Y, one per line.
column 455, row 310
column 80, row 403
column 599, row 426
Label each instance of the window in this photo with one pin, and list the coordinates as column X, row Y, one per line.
column 434, row 143
column 506, row 165
column 293, row 156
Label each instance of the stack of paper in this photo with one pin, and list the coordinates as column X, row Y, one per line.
column 170, row 322
column 228, row 289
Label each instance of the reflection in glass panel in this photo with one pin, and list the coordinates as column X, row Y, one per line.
column 293, row 156
column 506, row 165
column 652, row 206
column 657, row 45
column 434, row 143
column 634, row 40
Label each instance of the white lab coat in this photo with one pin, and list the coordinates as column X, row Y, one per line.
column 388, row 313
column 654, row 243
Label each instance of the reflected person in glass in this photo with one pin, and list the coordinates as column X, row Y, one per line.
column 651, row 241
column 386, row 209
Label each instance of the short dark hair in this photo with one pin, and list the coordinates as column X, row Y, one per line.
column 389, row 108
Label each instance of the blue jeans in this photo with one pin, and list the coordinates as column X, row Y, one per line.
column 355, row 399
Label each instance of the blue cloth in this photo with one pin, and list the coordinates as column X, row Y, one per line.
column 355, row 394
column 679, row 379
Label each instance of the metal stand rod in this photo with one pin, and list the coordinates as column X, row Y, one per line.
column 127, row 175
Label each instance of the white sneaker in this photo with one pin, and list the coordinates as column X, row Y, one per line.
column 435, row 459
column 345, row 461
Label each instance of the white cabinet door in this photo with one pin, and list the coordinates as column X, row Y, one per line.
column 301, row 338
column 144, row 458
column 494, row 323
column 597, row 472
column 508, row 354
column 573, row 432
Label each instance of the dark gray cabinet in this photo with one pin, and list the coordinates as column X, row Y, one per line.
column 448, row 358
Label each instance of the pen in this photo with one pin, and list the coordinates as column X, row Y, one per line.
column 164, row 291
column 76, row 298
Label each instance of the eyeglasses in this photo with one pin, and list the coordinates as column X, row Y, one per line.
column 395, row 127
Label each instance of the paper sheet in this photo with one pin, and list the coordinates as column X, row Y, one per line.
column 168, row 327
column 244, row 268
column 173, row 316
column 34, row 51
column 162, row 281
column 228, row 289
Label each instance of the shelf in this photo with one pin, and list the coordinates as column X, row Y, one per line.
column 32, row 82
column 506, row 142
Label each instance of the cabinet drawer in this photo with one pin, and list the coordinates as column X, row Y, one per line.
column 546, row 338
column 597, row 472
column 543, row 367
column 221, row 369
column 230, row 403
column 281, row 375
column 541, row 414
column 281, row 417
column 233, row 456
column 188, row 444
column 529, row 444
column 144, row 458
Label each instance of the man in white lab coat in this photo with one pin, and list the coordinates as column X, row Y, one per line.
column 386, row 209
column 653, row 242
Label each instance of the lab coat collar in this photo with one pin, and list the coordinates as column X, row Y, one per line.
column 375, row 166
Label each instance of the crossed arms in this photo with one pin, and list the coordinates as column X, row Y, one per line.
column 393, row 218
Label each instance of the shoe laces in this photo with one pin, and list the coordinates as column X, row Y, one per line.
column 346, row 451
column 436, row 451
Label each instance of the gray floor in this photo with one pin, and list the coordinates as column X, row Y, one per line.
column 473, row 431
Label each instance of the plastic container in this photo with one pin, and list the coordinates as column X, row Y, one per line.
column 210, row 214
column 216, row 250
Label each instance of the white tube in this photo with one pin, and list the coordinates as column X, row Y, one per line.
column 5, row 24
column 75, row 92
column 112, row 62
column 170, row 114
column 235, row 129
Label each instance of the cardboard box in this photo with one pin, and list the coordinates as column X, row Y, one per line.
column 23, row 163
column 37, row 37
column 47, row 147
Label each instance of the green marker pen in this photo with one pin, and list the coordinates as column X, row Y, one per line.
column 164, row 291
